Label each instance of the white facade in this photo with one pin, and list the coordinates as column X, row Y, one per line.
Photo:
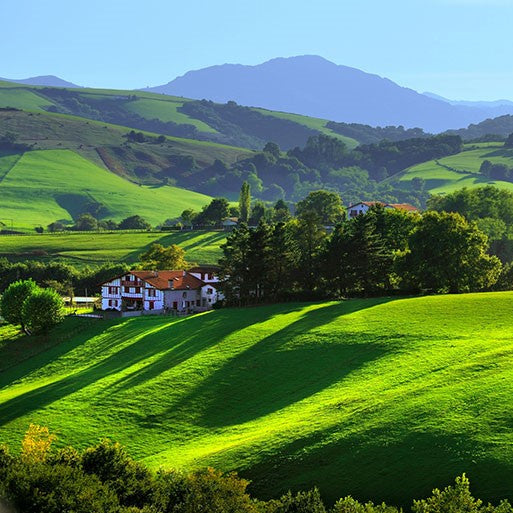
column 129, row 293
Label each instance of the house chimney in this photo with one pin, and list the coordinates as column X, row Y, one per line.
column 171, row 284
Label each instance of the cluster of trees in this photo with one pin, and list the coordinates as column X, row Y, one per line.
column 87, row 222
column 64, row 278
column 104, row 479
column 366, row 134
column 384, row 251
column 33, row 308
column 496, row 171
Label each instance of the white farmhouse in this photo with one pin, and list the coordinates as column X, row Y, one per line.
column 161, row 291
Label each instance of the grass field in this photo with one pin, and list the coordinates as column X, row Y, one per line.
column 313, row 123
column 20, row 98
column 49, row 185
column 462, row 170
column 82, row 249
column 380, row 398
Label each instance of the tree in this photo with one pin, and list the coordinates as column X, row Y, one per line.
column 449, row 254
column 56, row 226
column 134, row 223
column 325, row 204
column 13, row 299
column 213, row 213
column 188, row 217
column 258, row 212
column 86, row 223
column 244, row 202
column 273, row 149
column 42, row 310
column 160, row 257
column 281, row 211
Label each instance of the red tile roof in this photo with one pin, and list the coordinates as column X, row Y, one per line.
column 182, row 280
column 404, row 206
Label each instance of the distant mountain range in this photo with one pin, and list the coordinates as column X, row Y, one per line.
column 44, row 80
column 313, row 86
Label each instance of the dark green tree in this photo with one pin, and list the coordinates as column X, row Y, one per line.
column 13, row 298
column 134, row 223
column 42, row 310
column 326, row 205
column 244, row 202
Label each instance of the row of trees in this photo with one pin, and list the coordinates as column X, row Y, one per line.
column 104, row 479
column 383, row 251
column 87, row 222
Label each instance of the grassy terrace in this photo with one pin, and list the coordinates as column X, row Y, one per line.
column 382, row 398
column 97, row 248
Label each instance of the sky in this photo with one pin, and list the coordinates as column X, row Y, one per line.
column 460, row 49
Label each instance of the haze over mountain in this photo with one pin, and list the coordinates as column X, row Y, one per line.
column 314, row 86
column 43, row 80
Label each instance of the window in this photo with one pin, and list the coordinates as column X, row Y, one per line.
column 113, row 290
column 151, row 293
column 184, row 294
column 151, row 305
column 175, row 305
column 210, row 291
column 210, row 276
column 137, row 290
column 198, row 302
column 126, row 289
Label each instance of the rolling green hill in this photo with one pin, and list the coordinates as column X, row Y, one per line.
column 380, row 398
column 99, row 248
column 456, row 171
column 40, row 187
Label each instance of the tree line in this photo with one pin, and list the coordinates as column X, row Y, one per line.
column 384, row 251
column 104, row 478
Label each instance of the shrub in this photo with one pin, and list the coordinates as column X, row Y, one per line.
column 42, row 310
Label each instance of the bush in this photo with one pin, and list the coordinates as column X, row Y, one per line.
column 41, row 310
column 13, row 299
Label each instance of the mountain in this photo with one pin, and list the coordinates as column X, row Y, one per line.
column 43, row 80
column 494, row 107
column 313, row 86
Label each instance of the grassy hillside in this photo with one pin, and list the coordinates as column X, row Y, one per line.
column 382, row 399
column 99, row 248
column 462, row 170
column 44, row 186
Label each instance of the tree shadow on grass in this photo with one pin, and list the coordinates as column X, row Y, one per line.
column 285, row 368
column 177, row 340
column 380, row 465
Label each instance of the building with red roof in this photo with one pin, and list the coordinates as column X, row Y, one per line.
column 161, row 291
column 363, row 207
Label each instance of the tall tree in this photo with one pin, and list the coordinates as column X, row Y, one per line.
column 326, row 205
column 449, row 254
column 244, row 202
column 160, row 257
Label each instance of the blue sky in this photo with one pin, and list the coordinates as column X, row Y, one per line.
column 461, row 49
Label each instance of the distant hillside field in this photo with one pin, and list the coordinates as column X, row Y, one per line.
column 456, row 171
column 382, row 399
column 98, row 248
column 44, row 186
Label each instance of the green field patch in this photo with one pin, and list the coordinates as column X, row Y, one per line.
column 313, row 123
column 98, row 248
column 165, row 110
column 20, row 98
column 37, row 191
column 382, row 399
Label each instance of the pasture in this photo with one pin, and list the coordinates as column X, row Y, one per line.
column 97, row 248
column 382, row 399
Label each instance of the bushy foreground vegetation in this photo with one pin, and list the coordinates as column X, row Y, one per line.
column 104, row 479
column 382, row 398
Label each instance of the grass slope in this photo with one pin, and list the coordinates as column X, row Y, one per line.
column 20, row 98
column 456, row 171
column 382, row 399
column 49, row 185
column 313, row 123
column 99, row 248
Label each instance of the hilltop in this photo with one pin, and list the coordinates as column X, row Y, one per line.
column 361, row 397
column 313, row 86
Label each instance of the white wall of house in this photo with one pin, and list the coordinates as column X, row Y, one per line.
column 209, row 296
column 181, row 300
column 153, row 298
column 111, row 295
column 356, row 210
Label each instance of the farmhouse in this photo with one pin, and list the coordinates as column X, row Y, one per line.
column 363, row 206
column 162, row 291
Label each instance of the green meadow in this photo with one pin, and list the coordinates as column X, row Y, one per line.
column 99, row 248
column 382, row 399
column 49, row 185
column 461, row 170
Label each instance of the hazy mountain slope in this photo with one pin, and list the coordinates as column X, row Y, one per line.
column 313, row 86
column 43, row 80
